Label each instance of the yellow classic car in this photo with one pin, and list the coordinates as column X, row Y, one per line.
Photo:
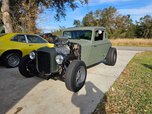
column 13, row 46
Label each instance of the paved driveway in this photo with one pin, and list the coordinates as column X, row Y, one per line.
column 134, row 48
column 19, row 95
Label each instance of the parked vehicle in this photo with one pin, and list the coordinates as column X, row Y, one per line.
column 13, row 46
column 71, row 55
column 48, row 36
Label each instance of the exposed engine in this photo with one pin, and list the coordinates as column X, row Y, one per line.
column 72, row 50
column 63, row 49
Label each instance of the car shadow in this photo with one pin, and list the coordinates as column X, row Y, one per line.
column 87, row 102
column 104, row 62
column 102, row 106
column 1, row 64
column 13, row 87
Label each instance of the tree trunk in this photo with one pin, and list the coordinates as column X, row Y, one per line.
column 31, row 13
column 6, row 16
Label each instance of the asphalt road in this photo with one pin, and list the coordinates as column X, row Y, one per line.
column 19, row 95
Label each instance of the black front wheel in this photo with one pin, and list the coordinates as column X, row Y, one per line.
column 27, row 67
column 75, row 75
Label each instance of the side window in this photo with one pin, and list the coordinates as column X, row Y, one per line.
column 35, row 39
column 99, row 35
column 86, row 35
column 19, row 38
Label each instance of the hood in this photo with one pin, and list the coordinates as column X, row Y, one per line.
column 80, row 41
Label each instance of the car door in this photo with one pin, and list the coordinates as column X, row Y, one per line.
column 35, row 42
column 98, row 46
column 19, row 42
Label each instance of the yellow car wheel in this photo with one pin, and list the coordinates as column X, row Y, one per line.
column 12, row 60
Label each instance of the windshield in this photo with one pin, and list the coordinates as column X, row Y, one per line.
column 35, row 39
column 78, row 34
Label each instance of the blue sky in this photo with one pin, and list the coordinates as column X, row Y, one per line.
column 136, row 8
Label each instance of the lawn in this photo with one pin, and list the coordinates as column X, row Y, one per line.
column 132, row 42
column 131, row 93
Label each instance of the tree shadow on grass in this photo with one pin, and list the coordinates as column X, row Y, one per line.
column 148, row 66
column 87, row 102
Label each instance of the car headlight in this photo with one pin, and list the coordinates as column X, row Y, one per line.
column 32, row 55
column 59, row 59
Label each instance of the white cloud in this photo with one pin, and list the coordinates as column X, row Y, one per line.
column 137, row 12
column 103, row 1
column 98, row 2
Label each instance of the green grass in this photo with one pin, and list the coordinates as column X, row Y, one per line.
column 132, row 92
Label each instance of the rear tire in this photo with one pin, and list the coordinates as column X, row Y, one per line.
column 11, row 60
column 27, row 67
column 111, row 57
column 75, row 75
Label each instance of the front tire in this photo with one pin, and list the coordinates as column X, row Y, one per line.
column 75, row 75
column 27, row 67
column 11, row 60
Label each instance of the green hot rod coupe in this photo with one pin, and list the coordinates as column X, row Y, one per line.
column 70, row 56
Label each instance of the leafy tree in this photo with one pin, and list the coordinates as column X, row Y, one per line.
column 123, row 27
column 21, row 14
column 77, row 23
column 144, row 27
column 89, row 19
column 117, row 25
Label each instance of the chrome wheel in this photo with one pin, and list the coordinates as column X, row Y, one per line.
column 13, row 60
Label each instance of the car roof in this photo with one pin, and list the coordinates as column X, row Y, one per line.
column 83, row 28
column 10, row 35
column 22, row 33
